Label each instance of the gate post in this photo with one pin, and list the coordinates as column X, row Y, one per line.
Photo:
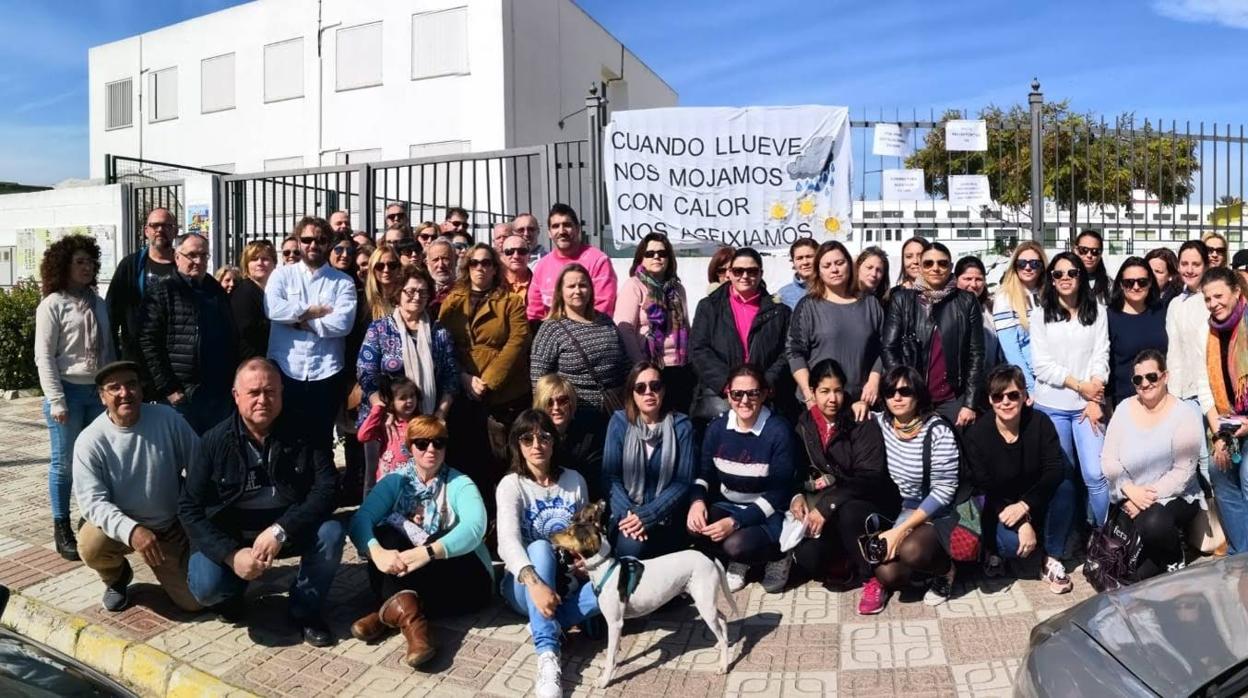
column 594, row 110
column 1036, row 101
column 366, row 199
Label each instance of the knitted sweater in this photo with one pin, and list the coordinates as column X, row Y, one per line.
column 752, row 467
column 554, row 352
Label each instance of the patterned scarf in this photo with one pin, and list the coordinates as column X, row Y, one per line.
column 665, row 314
column 1229, row 398
column 430, row 498
column 929, row 296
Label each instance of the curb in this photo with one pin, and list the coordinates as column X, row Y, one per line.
column 142, row 667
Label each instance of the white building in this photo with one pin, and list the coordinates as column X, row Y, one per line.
column 284, row 84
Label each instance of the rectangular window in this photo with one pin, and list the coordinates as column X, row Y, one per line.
column 1162, row 216
column 1189, row 217
column 925, row 232
column 891, row 214
column 283, row 70
column 119, row 104
column 868, row 235
column 1136, row 216
column 1108, row 214
column 430, row 150
column 358, row 58
column 216, row 84
column 924, row 214
column 275, row 164
column 356, row 157
column 966, row 233
column 870, row 214
column 163, row 85
column 1000, row 233
column 957, row 214
column 440, row 43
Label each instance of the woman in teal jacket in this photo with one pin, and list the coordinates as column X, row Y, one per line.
column 422, row 528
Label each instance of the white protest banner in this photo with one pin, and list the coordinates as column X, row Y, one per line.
column 902, row 185
column 891, row 139
column 748, row 177
column 966, row 135
column 969, row 190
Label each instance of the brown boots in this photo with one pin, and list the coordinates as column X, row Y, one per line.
column 369, row 628
column 403, row 611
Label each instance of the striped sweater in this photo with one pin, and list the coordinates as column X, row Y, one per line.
column 905, row 464
column 751, row 467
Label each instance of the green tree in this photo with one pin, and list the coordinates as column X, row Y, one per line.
column 17, row 335
column 1085, row 160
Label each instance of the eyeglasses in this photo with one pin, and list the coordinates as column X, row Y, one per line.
column 526, row 228
column 513, row 251
column 314, row 240
column 1011, row 395
column 387, row 266
column 1028, row 265
column 415, row 292
column 395, row 216
column 194, row 256
column 343, row 249
column 116, row 388
column 288, row 254
column 162, row 226
column 899, row 391
column 536, row 437
column 942, row 263
column 478, row 263
column 1136, row 283
column 1215, row 250
column 424, row 444
column 1087, row 251
column 1059, row 274
column 743, row 395
column 745, row 271
column 644, row 387
column 559, row 401
column 655, row 254
column 1138, row 379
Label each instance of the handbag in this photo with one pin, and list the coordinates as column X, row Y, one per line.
column 964, row 540
column 1113, row 552
column 1205, row 532
column 612, row 400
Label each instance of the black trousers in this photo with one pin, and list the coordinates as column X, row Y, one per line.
column 839, row 540
column 449, row 587
column 1161, row 528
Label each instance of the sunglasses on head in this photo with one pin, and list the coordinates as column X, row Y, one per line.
column 1011, row 395
column 1059, row 274
column 537, row 437
column 1087, row 251
column 742, row 395
column 942, row 263
column 745, row 271
column 424, row 444
column 478, row 263
column 900, row 391
column 1151, row 377
column 1028, row 264
column 513, row 251
column 1137, row 283
column 643, row 387
column 655, row 254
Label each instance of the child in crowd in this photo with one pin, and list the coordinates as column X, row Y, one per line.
column 386, row 422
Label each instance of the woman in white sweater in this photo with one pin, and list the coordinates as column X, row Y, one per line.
column 1070, row 356
column 73, row 340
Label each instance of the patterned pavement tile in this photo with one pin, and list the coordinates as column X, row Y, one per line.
column 891, row 645
column 805, row 683
column 150, row 613
column 211, row 645
column 976, row 639
column 9, row 546
column 686, row 646
column 924, row 682
column 385, row 681
column 793, row 648
column 986, row 679
column 809, row 603
column 72, row 591
column 465, row 660
column 296, row 671
column 30, row 566
column 985, row 603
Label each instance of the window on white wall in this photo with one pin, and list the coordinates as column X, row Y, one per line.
column 358, row 58
column 163, row 97
column 440, row 43
column 119, row 104
column 274, row 164
column 356, row 157
column 216, row 84
column 429, row 150
column 283, row 70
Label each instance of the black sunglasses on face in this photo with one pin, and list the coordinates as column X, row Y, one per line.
column 1137, row 283
column 559, row 401
column 424, row 444
column 1087, row 251
column 1138, row 379
column 387, row 266
column 287, row 254
column 1215, row 250
column 395, row 216
column 643, row 387
column 942, row 263
column 539, row 437
column 314, row 241
column 343, row 249
column 1011, row 395
column 477, row 263
column 745, row 271
column 655, row 254
column 741, row 395
column 513, row 251
column 1059, row 274
column 1028, row 264
column 900, row 391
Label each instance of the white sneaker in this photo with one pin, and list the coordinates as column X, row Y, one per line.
column 776, row 575
column 549, row 675
column 736, row 575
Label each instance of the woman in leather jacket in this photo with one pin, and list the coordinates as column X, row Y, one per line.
column 937, row 329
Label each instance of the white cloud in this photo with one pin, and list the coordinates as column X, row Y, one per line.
column 1232, row 13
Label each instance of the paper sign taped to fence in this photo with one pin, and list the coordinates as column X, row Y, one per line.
column 748, row 177
column 891, row 140
column 969, row 190
column 902, row 185
column 966, row 134
column 33, row 242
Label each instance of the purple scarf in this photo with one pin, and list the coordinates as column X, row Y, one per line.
column 665, row 314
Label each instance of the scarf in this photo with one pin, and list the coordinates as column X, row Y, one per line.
column 929, row 296
column 87, row 304
column 418, row 359
column 666, row 316
column 634, row 456
column 827, row 429
column 1229, row 398
column 429, row 499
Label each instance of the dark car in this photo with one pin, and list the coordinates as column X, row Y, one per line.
column 28, row 668
column 1180, row 634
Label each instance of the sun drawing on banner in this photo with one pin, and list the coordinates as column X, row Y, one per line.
column 779, row 211
column 832, row 224
column 806, row 206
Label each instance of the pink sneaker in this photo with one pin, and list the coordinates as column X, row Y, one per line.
column 873, row 598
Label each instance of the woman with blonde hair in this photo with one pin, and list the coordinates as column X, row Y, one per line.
column 1018, row 293
column 228, row 276
column 1215, row 244
column 247, row 299
column 382, row 287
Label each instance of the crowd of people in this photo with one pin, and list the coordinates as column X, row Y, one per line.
column 485, row 392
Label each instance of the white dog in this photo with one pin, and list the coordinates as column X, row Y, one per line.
column 625, row 591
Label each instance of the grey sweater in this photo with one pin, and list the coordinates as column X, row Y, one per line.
column 850, row 334
column 528, row 512
column 129, row 477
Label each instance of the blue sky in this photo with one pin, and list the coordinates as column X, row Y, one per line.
column 1170, row 59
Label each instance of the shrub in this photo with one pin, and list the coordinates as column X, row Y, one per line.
column 17, row 335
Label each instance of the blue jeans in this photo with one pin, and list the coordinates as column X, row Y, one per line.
column 1230, row 488
column 82, row 404
column 1203, row 463
column 1058, row 521
column 573, row 609
column 204, row 411
column 213, row 583
column 1082, row 447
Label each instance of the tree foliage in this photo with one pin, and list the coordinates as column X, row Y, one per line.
column 1086, row 161
column 17, row 335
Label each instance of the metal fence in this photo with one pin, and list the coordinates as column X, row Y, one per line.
column 153, row 184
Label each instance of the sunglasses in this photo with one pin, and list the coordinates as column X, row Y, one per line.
column 743, row 395
column 900, row 391
column 745, row 271
column 1138, row 379
column 1087, row 251
column 1137, row 283
column 513, row 251
column 395, row 216
column 537, row 437
column 644, row 387
column 655, row 254
column 387, row 266
column 559, row 401
column 343, row 249
column 314, row 240
column 287, row 254
column 1011, row 395
column 1028, row 265
column 1058, row 274
column 424, row 444
column 426, row 237
column 415, row 292
column 478, row 263
column 1215, row 250
column 942, row 263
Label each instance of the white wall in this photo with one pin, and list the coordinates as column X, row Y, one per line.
column 67, row 208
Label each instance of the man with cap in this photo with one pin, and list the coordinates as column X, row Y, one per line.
column 1240, row 264
column 127, row 469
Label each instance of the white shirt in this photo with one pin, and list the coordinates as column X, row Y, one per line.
column 1069, row 348
column 314, row 352
column 1187, row 327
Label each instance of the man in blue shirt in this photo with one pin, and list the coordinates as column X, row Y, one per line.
column 802, row 255
column 311, row 308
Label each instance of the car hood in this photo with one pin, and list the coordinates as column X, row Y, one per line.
column 1175, row 632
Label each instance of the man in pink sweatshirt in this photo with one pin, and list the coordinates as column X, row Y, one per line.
column 566, row 248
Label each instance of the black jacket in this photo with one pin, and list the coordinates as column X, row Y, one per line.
column 188, row 337
column 125, row 302
column 1032, row 476
column 715, row 349
column 854, row 461
column 214, row 481
column 907, row 339
column 247, row 306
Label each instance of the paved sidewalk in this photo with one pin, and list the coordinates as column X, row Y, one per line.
column 807, row 641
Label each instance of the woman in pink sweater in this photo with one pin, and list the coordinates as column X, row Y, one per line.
column 651, row 313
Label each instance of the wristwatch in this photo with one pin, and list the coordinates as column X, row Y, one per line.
column 279, row 533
